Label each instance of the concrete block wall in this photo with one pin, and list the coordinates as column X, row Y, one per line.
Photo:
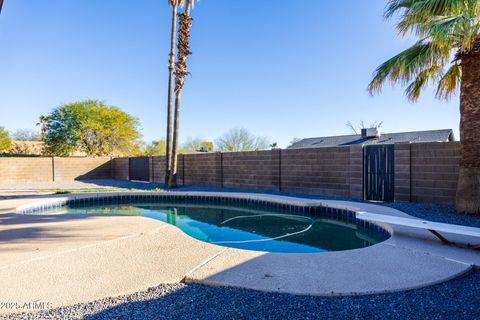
column 403, row 191
column 20, row 170
column 434, row 172
column 327, row 171
column 324, row 171
column 121, row 169
column 68, row 169
column 424, row 172
column 181, row 170
column 47, row 169
column 355, row 173
column 158, row 167
column 203, row 169
column 259, row 170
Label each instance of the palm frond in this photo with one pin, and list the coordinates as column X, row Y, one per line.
column 444, row 27
column 394, row 6
column 408, row 64
column 426, row 76
column 438, row 7
column 417, row 15
column 450, row 82
column 427, row 8
column 460, row 31
column 183, row 47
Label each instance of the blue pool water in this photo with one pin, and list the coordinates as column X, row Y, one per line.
column 257, row 229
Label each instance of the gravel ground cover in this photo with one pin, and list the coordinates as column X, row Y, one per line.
column 437, row 213
column 456, row 299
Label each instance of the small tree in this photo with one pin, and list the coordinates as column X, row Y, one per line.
column 156, row 148
column 192, row 144
column 240, row 139
column 92, row 127
column 5, row 141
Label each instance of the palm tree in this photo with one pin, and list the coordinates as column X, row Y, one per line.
column 447, row 55
column 43, row 126
column 180, row 73
column 171, row 73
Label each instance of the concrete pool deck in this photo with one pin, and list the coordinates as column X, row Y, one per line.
column 69, row 259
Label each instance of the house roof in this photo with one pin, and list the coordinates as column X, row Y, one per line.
column 384, row 138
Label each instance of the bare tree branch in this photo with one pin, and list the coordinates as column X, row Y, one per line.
column 350, row 126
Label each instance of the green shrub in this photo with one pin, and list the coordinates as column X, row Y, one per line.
column 5, row 141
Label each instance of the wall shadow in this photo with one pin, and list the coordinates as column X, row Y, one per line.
column 104, row 171
column 34, row 226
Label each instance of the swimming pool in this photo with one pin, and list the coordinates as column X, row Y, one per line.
column 241, row 224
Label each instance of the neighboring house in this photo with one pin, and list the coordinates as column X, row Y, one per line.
column 373, row 136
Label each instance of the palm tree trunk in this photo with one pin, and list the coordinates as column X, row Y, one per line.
column 172, row 177
column 171, row 74
column 180, row 73
column 468, row 191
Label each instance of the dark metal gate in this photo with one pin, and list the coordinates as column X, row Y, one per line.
column 139, row 169
column 379, row 172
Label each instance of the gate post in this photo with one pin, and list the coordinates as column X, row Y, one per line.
column 402, row 172
column 355, row 174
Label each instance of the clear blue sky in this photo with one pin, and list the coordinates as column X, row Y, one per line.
column 281, row 69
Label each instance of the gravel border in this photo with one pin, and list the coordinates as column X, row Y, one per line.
column 437, row 213
column 457, row 299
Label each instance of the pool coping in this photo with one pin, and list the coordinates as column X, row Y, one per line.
column 249, row 269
